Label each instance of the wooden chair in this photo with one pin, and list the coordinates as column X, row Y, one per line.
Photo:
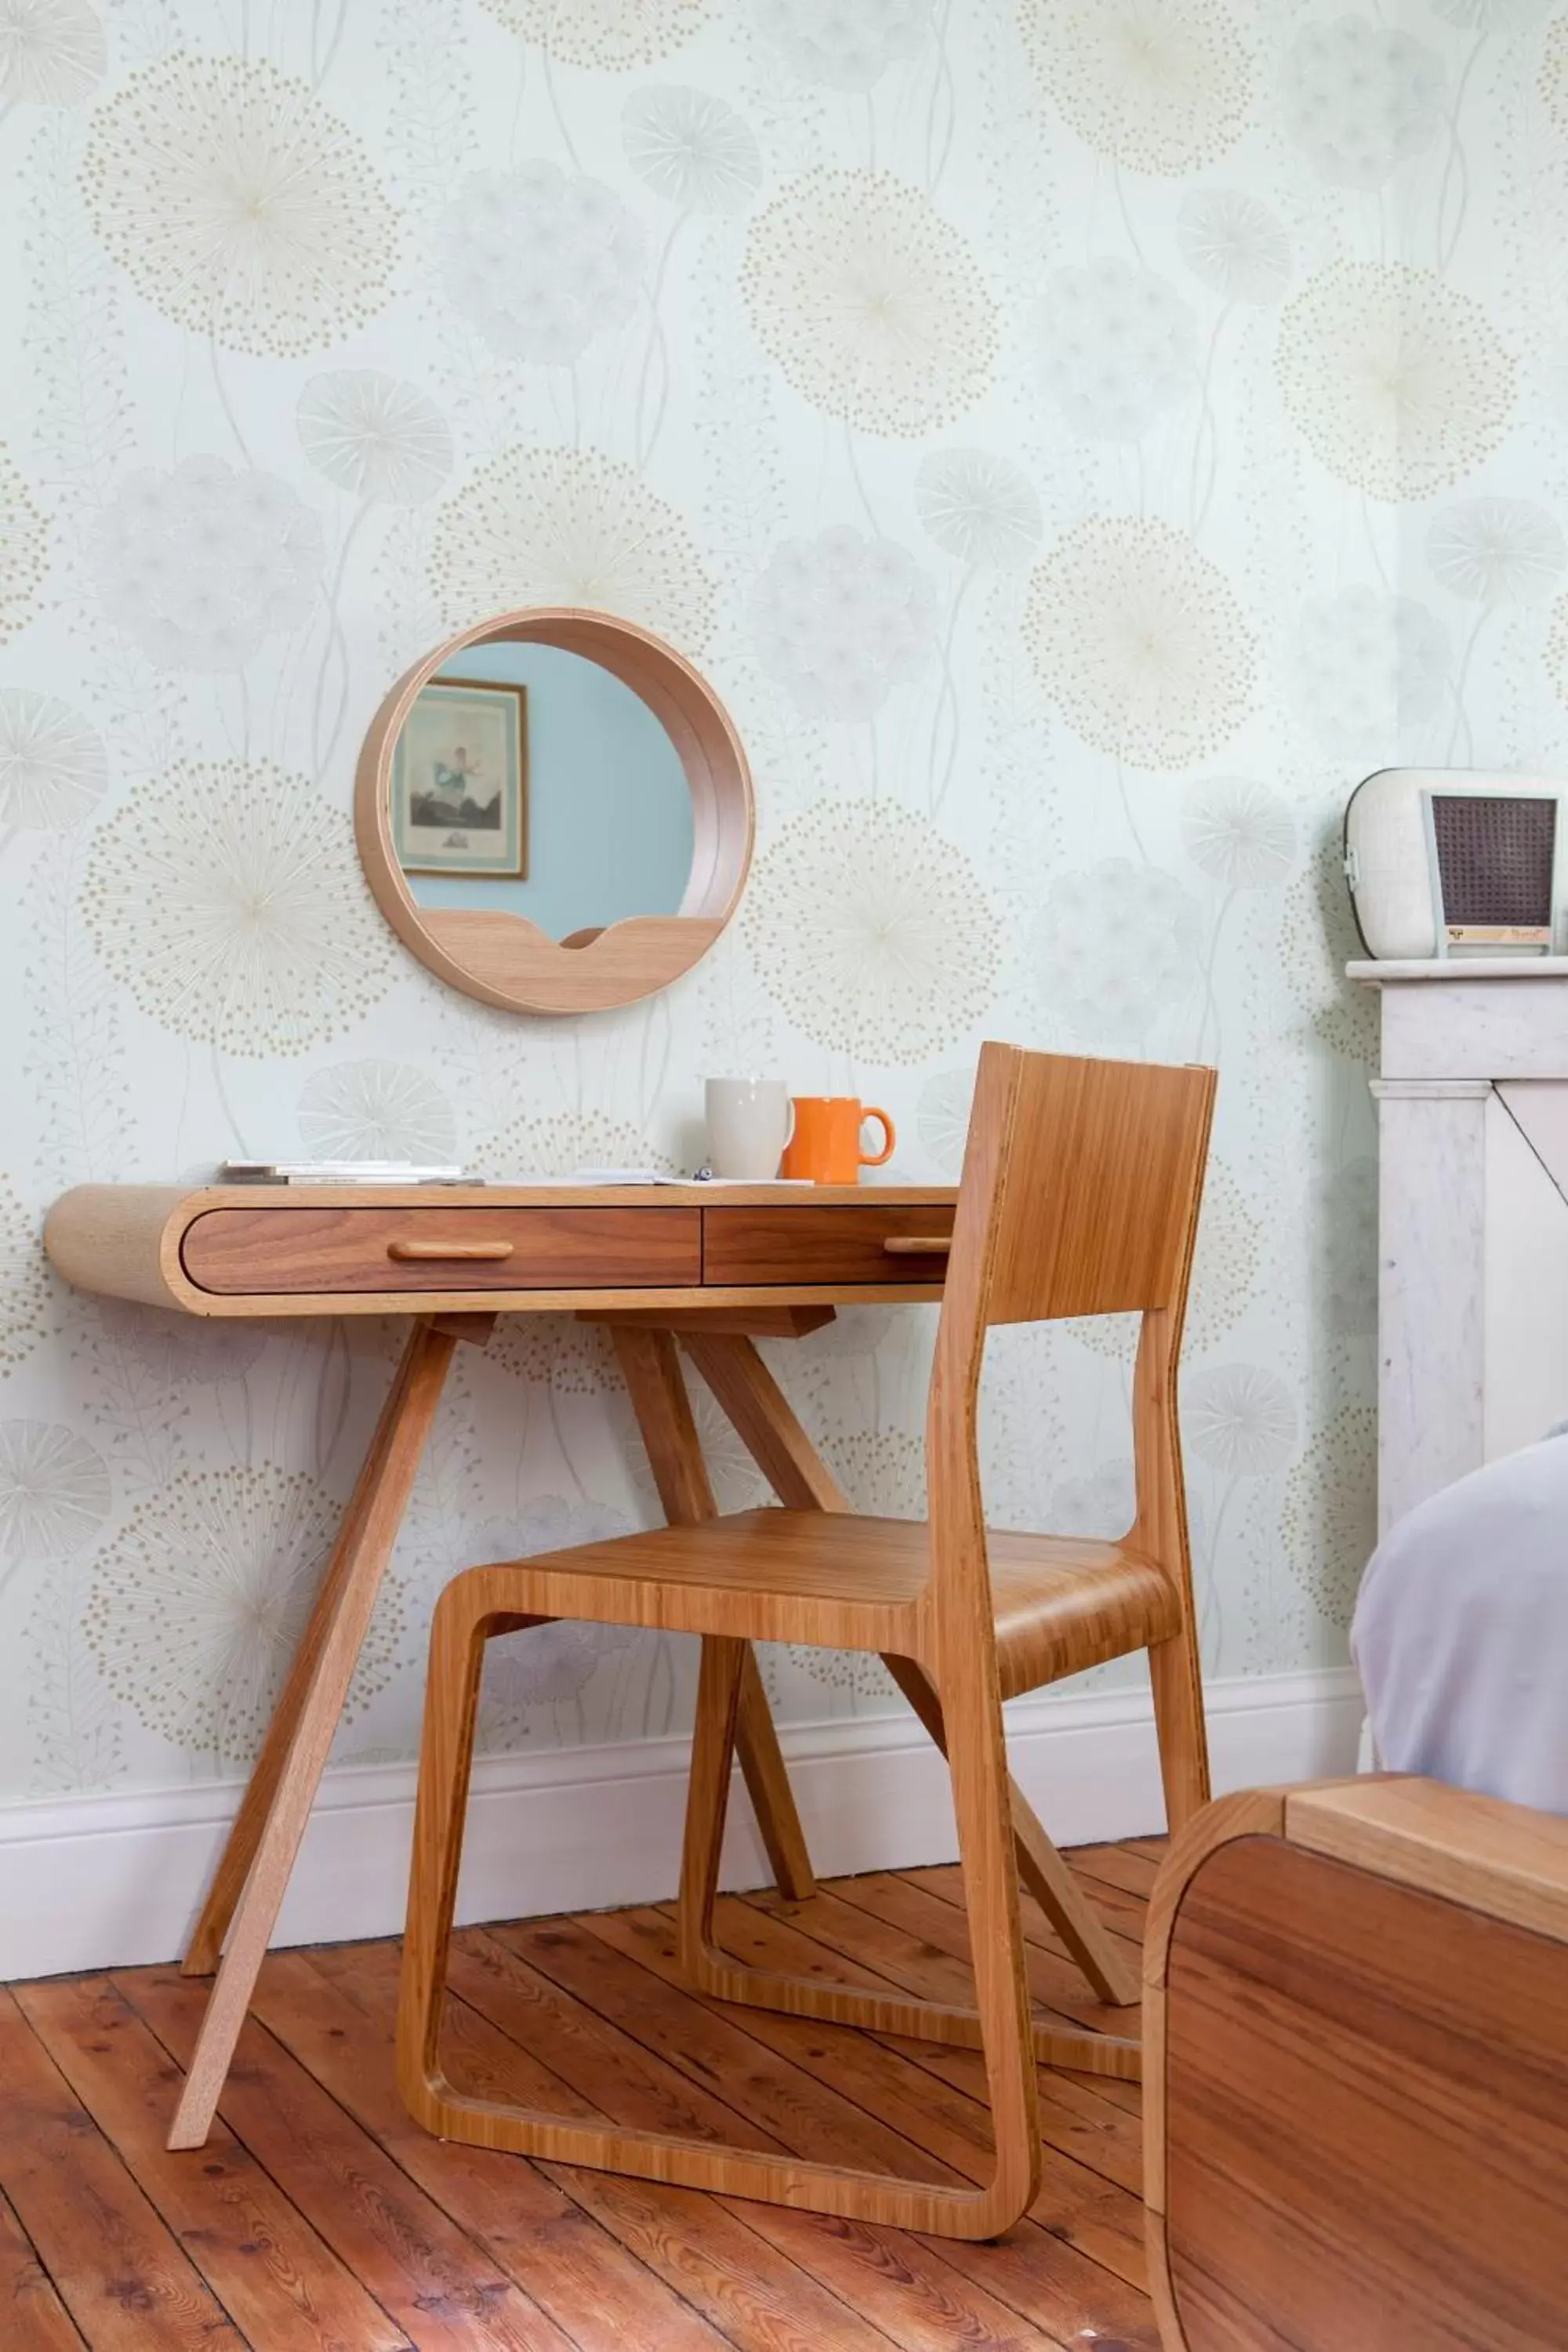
column 1081, row 1191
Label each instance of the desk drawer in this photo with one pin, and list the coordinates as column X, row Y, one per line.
column 257, row 1250
column 812, row 1243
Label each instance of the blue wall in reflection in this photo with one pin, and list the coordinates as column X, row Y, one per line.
column 609, row 813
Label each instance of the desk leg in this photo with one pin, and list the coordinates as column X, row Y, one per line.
column 652, row 1369
column 253, row 1871
column 765, row 1423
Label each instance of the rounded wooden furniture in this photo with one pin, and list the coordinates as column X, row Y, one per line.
column 310, row 1250
column 646, row 1263
column 1356, row 2074
column 1079, row 1196
column 500, row 956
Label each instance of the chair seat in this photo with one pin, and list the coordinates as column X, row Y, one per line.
column 840, row 1581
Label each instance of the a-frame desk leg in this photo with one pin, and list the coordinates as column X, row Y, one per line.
column 253, row 1873
column 652, row 1369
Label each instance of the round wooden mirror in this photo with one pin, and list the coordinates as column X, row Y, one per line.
column 554, row 811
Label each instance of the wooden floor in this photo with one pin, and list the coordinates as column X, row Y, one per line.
column 321, row 2218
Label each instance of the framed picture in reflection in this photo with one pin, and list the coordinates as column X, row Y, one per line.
column 459, row 780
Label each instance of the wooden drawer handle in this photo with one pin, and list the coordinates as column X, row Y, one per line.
column 436, row 1253
column 917, row 1246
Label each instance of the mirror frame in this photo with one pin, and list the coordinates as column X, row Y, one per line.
column 501, row 956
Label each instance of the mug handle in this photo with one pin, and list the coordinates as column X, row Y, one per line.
column 875, row 1159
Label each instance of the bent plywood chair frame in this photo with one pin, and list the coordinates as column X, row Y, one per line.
column 1081, row 1191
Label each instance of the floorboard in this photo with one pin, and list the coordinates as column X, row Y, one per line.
column 37, row 2320
column 320, row 2218
column 260, row 2256
column 115, row 2266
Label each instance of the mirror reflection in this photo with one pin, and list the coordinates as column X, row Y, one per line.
column 528, row 780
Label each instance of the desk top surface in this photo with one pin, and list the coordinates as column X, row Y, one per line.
column 542, row 1192
column 254, row 1250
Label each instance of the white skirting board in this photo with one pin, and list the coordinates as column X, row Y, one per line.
column 108, row 1881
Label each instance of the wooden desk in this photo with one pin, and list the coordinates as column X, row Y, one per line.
column 719, row 1267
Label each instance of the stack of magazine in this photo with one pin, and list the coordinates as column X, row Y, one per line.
column 342, row 1172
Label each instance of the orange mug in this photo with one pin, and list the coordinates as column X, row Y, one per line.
column 824, row 1147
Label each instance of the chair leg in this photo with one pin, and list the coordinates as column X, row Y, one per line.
column 456, row 1651
column 977, row 1760
column 458, row 1633
column 720, row 1683
column 711, row 1970
column 1040, row 1866
column 1176, row 1679
column 1160, row 1529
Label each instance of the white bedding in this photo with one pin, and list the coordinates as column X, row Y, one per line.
column 1461, row 1633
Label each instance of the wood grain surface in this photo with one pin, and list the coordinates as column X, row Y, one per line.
column 502, row 958
column 430, row 1247
column 650, row 1366
column 1502, row 1859
column 321, row 2219
column 1366, row 2114
column 253, row 1871
column 751, row 1245
column 126, row 1241
column 1120, row 1149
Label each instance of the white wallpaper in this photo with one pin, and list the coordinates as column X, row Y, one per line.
column 1078, row 439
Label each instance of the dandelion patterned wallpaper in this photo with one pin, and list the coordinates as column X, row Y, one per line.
column 1078, row 437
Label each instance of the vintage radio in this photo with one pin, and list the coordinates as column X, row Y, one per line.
column 1444, row 862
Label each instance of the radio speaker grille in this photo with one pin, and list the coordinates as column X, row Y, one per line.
column 1494, row 858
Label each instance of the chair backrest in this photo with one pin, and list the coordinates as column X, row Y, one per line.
column 1082, row 1181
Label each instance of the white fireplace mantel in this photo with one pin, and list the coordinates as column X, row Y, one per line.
column 1472, row 1096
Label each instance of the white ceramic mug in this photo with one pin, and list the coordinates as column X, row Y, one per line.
column 750, row 1120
